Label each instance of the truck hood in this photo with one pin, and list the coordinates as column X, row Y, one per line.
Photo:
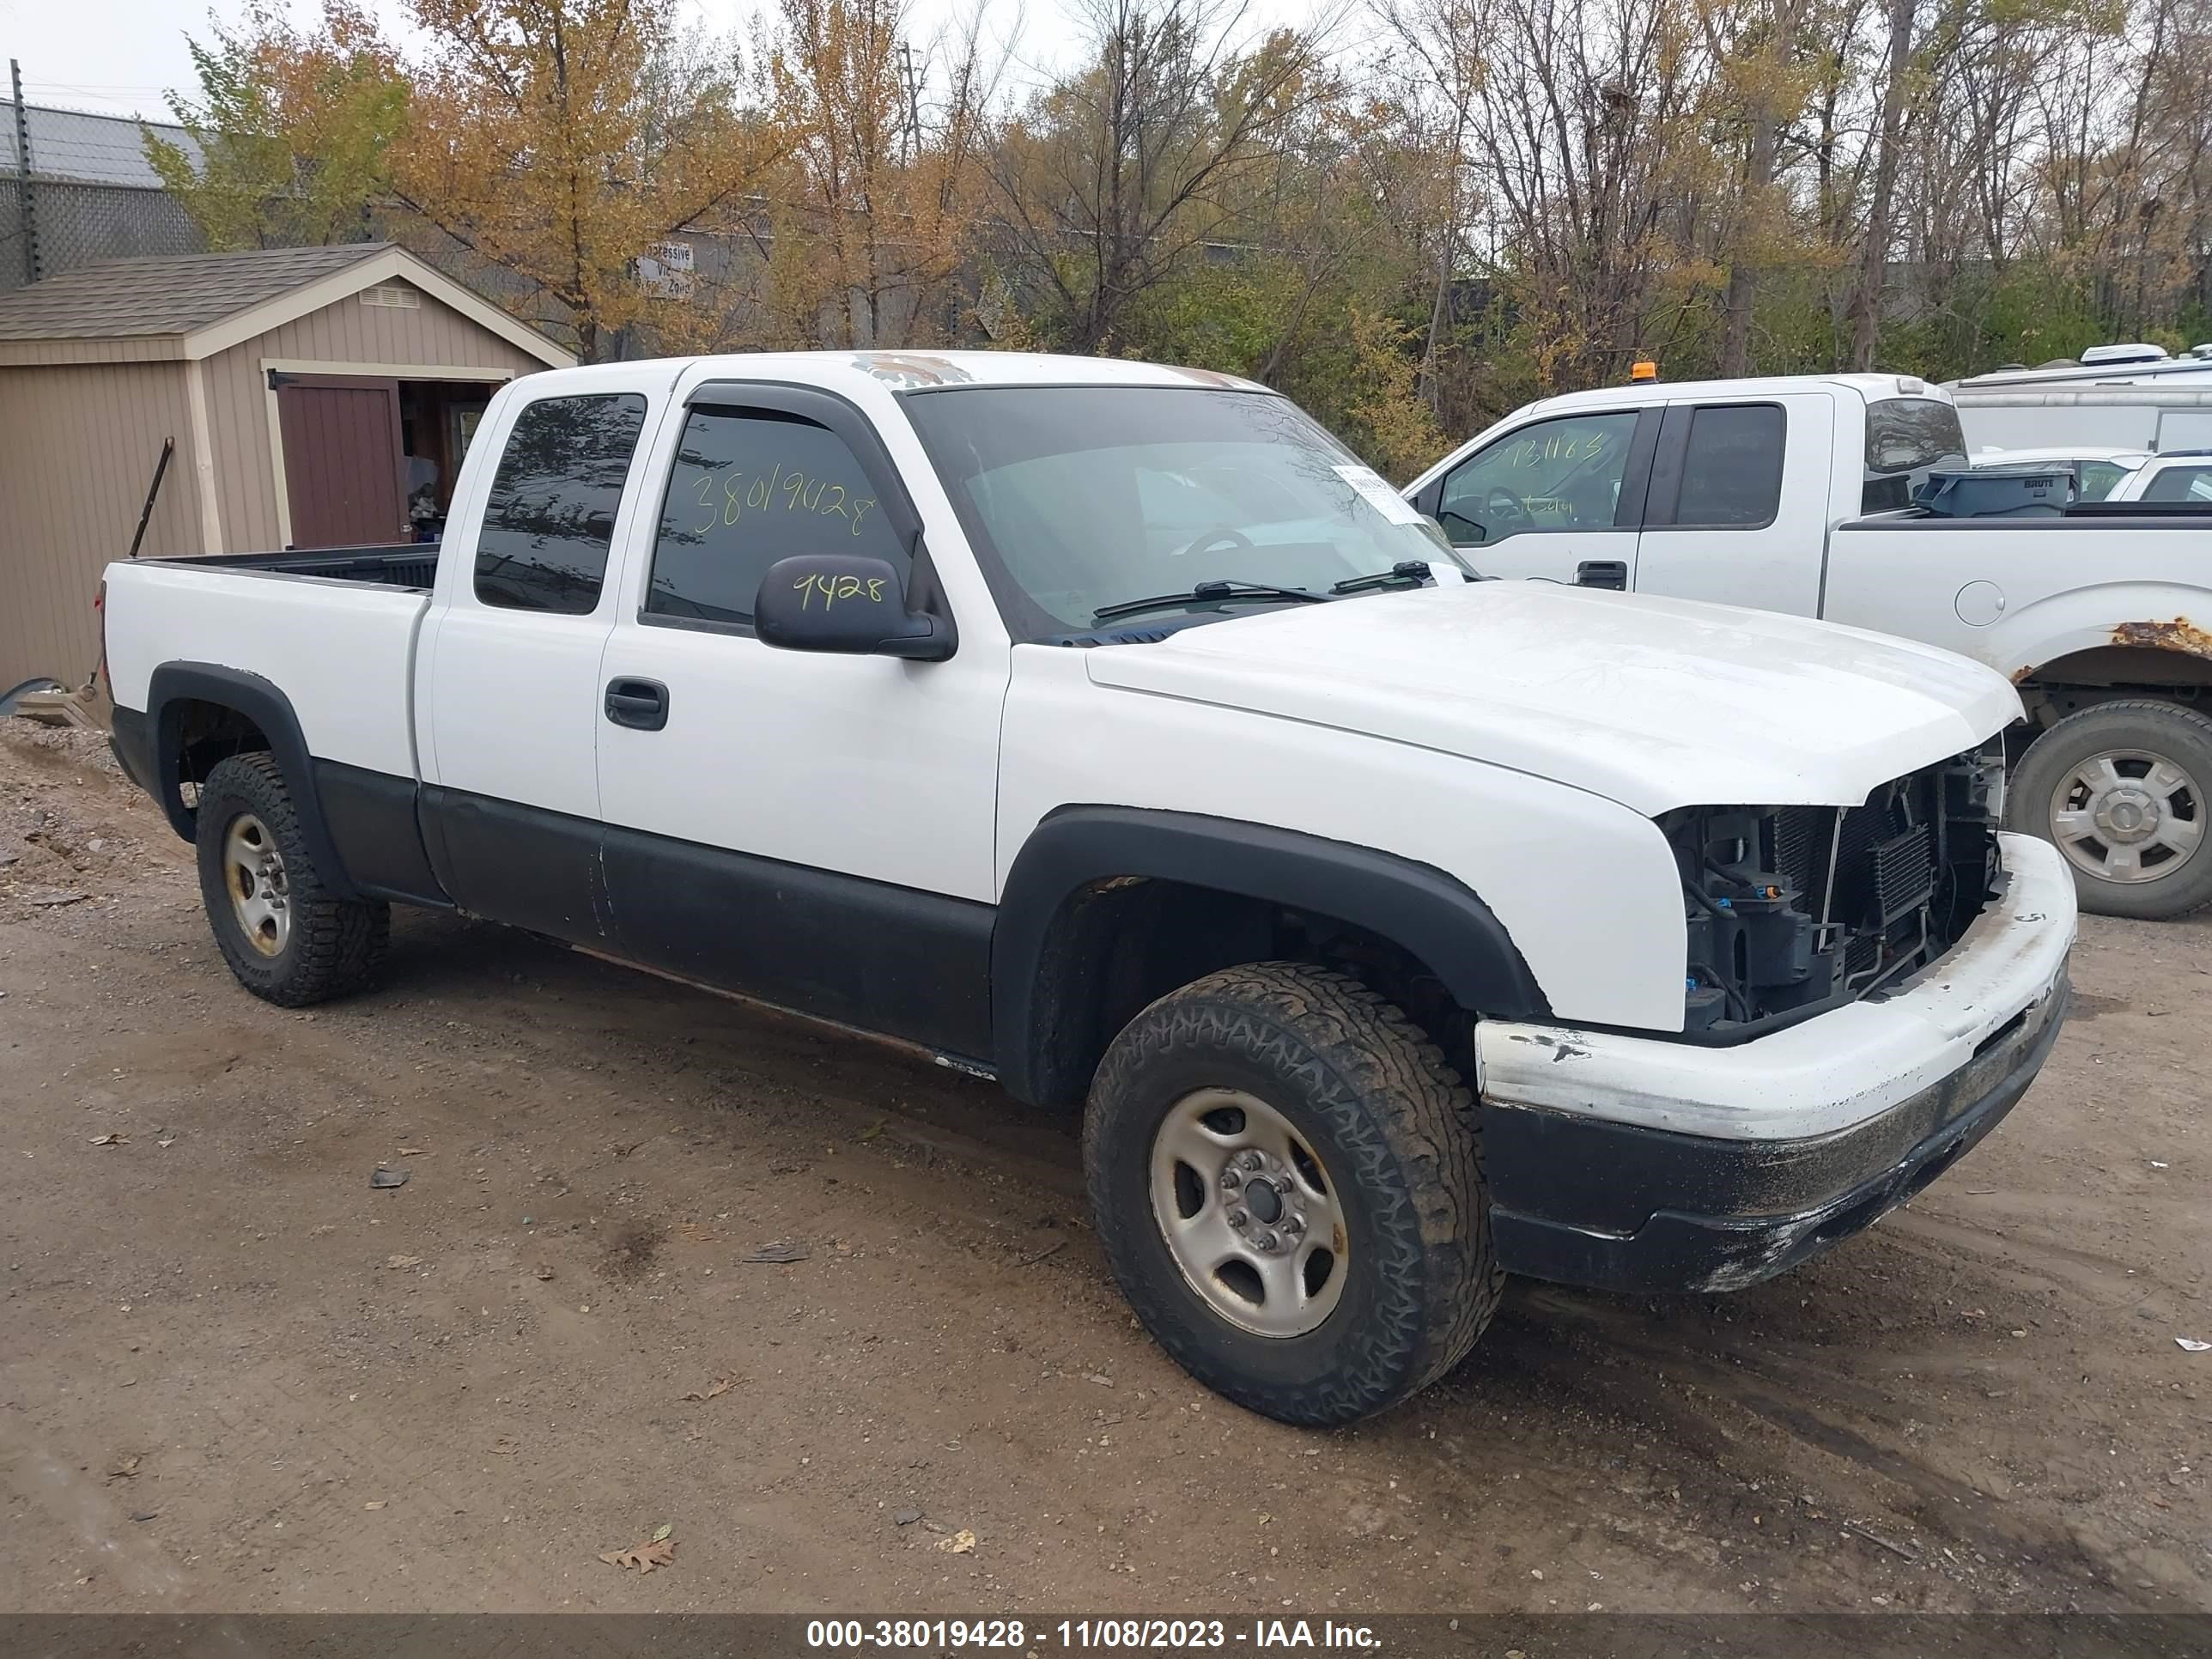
column 1652, row 702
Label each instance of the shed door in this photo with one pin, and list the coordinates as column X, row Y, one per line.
column 343, row 469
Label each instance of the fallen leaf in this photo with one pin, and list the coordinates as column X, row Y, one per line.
column 714, row 1390
column 875, row 1128
column 659, row 1553
column 960, row 1543
column 125, row 1470
column 402, row 1261
column 377, row 1505
column 783, row 1250
column 166, row 1145
column 110, row 1139
column 413, row 1151
column 662, row 1533
column 545, row 1272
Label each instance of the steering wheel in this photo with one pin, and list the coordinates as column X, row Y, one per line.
column 1220, row 536
column 1503, row 503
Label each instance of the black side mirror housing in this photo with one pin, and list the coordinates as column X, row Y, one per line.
column 841, row 602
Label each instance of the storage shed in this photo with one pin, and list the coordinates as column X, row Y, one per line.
column 285, row 397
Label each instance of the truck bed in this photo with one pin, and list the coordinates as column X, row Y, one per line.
column 406, row 564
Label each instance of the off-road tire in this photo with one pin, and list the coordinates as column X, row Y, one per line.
column 335, row 944
column 2155, row 728
column 1394, row 1127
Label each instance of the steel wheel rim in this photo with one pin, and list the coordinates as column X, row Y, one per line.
column 1248, row 1213
column 2129, row 816
column 253, row 876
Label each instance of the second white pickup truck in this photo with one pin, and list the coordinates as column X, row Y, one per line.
column 1793, row 494
column 1109, row 730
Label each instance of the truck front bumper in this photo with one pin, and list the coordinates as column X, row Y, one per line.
column 1646, row 1166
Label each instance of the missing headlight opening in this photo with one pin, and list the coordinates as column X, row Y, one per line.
column 1792, row 909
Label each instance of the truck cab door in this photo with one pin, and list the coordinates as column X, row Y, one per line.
column 1738, row 509
column 815, row 830
column 507, row 687
column 1557, row 500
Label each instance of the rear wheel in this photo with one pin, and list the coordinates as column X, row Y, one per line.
column 1287, row 1180
column 2124, row 790
column 286, row 938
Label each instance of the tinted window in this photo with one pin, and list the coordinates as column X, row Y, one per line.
column 2180, row 484
column 2098, row 477
column 1732, row 471
column 550, row 516
column 1906, row 436
column 750, row 487
column 1556, row 475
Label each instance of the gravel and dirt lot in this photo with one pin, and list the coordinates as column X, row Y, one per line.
column 233, row 1376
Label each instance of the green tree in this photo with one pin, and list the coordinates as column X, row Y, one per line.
column 293, row 129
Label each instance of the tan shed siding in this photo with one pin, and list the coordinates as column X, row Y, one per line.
column 431, row 335
column 77, row 449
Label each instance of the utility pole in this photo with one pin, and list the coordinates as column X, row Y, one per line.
column 25, row 214
column 913, row 106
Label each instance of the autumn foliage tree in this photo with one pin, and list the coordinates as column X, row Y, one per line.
column 559, row 140
column 873, row 210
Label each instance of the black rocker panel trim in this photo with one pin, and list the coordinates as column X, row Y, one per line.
column 174, row 684
column 1420, row 908
column 527, row 866
column 880, row 958
column 372, row 823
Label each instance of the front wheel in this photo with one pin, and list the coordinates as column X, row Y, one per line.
column 2124, row 790
column 286, row 938
column 1287, row 1180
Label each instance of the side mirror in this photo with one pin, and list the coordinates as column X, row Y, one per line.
column 841, row 602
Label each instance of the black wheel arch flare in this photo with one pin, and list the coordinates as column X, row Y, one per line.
column 176, row 685
column 1431, row 915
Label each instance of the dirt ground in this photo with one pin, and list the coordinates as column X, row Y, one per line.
column 234, row 1377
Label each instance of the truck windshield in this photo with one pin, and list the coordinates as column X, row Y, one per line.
column 1076, row 499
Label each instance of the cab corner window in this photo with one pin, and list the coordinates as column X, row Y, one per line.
column 549, row 518
column 750, row 487
column 1732, row 469
column 1562, row 474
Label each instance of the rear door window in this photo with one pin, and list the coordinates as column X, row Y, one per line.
column 1732, row 470
column 549, row 518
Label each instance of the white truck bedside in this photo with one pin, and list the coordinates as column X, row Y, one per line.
column 1111, row 731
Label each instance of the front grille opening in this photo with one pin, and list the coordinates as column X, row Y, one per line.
column 1792, row 909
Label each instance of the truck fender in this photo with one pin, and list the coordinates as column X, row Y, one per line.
column 2125, row 615
column 1426, row 912
column 174, row 685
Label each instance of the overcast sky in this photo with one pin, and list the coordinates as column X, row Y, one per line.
column 121, row 56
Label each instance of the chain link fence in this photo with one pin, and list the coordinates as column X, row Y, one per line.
column 80, row 224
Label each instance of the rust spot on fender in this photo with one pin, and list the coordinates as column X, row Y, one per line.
column 2179, row 634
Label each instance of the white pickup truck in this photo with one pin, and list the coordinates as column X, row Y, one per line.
column 1110, row 731
column 1793, row 495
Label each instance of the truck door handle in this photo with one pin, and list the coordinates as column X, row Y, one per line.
column 1602, row 572
column 640, row 704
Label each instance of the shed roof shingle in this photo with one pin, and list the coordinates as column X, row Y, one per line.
column 168, row 295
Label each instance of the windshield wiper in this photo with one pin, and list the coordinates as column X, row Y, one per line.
column 1407, row 573
column 1208, row 593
